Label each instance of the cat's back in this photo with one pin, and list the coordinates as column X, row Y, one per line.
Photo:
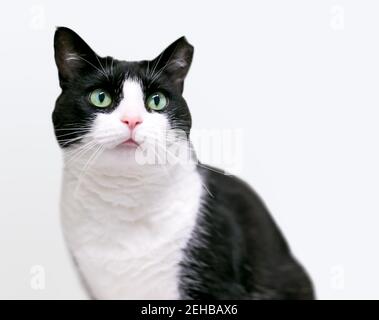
column 240, row 251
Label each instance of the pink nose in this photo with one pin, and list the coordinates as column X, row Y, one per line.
column 132, row 122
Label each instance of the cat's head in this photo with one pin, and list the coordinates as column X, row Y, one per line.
column 115, row 106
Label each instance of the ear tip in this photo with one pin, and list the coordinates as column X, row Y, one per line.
column 63, row 31
column 184, row 41
column 60, row 29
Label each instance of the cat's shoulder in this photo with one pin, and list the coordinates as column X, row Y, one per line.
column 223, row 185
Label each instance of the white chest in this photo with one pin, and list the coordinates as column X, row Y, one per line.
column 128, row 237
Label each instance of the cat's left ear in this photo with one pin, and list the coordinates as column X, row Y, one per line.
column 175, row 61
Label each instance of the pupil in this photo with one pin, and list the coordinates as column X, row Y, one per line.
column 156, row 100
column 101, row 97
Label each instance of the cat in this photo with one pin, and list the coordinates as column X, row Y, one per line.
column 139, row 229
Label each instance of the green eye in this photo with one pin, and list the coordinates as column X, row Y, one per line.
column 157, row 101
column 100, row 98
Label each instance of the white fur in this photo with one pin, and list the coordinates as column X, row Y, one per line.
column 126, row 224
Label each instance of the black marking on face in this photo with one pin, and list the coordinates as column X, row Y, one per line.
column 81, row 71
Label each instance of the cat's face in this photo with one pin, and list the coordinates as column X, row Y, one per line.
column 117, row 107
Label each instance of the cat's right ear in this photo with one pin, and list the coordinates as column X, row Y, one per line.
column 72, row 54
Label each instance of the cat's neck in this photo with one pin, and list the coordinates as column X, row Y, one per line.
column 136, row 192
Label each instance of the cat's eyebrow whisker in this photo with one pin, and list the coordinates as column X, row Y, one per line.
column 155, row 65
column 98, row 60
column 112, row 67
column 154, row 77
column 160, row 71
column 91, row 64
column 147, row 69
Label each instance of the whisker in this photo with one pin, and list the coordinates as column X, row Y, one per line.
column 98, row 60
column 112, row 68
column 199, row 164
column 68, row 141
column 72, row 133
column 91, row 64
column 89, row 162
column 155, row 65
column 73, row 128
column 78, row 153
column 154, row 77
column 160, row 71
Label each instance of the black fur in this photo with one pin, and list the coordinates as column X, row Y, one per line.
column 237, row 251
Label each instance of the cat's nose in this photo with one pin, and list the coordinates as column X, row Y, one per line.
column 132, row 122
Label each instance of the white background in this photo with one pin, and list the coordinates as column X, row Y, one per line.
column 301, row 78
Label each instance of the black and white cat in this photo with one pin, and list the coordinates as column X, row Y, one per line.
column 171, row 229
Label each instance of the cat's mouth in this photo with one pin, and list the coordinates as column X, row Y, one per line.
column 130, row 143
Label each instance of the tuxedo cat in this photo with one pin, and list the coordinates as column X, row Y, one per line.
column 140, row 220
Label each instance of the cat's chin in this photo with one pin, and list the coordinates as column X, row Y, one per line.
column 128, row 158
